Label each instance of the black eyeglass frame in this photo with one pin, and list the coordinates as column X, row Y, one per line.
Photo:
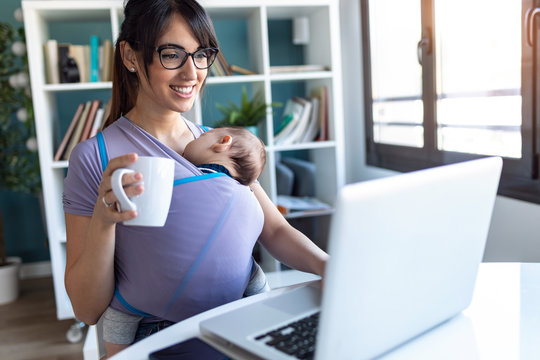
column 159, row 49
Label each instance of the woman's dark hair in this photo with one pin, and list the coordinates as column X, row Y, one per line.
column 145, row 21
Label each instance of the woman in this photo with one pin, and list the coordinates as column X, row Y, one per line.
column 161, row 63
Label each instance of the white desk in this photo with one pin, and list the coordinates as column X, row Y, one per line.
column 503, row 322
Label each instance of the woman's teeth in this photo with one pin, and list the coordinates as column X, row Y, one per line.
column 183, row 89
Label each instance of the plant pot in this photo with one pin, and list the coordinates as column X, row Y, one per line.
column 254, row 129
column 9, row 280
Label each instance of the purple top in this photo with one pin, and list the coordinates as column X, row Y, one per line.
column 200, row 259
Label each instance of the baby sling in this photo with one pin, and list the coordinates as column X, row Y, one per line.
column 201, row 258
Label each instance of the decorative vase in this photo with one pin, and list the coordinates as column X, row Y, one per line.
column 9, row 280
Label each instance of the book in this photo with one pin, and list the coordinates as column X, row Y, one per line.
column 101, row 116
column 50, row 50
column 324, row 117
column 98, row 122
column 80, row 53
column 287, row 204
column 214, row 69
column 313, row 128
column 94, row 58
column 90, row 120
column 217, row 68
column 296, row 134
column 322, row 94
column 297, row 68
column 241, row 70
column 63, row 59
column 78, row 130
column 100, row 62
column 69, row 72
column 291, row 115
column 286, row 117
column 69, row 132
column 107, row 60
column 224, row 64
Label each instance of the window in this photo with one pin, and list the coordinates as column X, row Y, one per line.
column 452, row 80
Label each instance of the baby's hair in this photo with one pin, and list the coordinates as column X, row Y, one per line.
column 247, row 153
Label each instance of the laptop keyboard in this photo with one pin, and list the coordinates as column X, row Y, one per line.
column 296, row 339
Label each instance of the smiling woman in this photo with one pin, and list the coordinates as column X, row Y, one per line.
column 109, row 263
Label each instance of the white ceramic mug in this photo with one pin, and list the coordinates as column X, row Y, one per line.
column 153, row 204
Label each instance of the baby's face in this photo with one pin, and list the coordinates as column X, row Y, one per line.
column 198, row 151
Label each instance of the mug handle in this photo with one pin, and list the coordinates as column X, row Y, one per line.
column 118, row 190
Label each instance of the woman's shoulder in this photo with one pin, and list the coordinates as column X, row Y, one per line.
column 85, row 148
column 85, row 155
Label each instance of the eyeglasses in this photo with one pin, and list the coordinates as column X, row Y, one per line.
column 173, row 57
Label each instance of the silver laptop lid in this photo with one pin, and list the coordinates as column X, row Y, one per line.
column 404, row 256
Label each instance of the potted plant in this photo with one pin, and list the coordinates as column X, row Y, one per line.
column 19, row 166
column 249, row 114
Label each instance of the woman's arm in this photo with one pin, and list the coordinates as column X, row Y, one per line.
column 284, row 242
column 89, row 276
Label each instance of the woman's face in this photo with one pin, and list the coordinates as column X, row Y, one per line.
column 173, row 90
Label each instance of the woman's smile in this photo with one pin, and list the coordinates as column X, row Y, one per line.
column 183, row 91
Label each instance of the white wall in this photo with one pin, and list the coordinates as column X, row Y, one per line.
column 515, row 229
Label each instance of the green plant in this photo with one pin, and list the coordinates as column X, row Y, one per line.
column 250, row 112
column 19, row 165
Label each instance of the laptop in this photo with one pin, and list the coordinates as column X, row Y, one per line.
column 404, row 254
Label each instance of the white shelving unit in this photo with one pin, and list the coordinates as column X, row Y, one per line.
column 323, row 48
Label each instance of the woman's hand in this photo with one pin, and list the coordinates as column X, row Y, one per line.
column 90, row 245
column 107, row 208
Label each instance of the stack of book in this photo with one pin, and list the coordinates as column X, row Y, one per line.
column 221, row 67
column 69, row 63
column 86, row 122
column 297, row 68
column 304, row 120
column 300, row 205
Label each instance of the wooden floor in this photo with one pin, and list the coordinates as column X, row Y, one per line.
column 29, row 328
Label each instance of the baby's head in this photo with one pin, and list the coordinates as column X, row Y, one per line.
column 236, row 148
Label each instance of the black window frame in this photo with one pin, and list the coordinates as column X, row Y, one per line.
column 520, row 178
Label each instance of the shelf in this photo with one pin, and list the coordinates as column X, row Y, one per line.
column 78, row 86
column 304, row 146
column 290, row 9
column 310, row 213
column 234, row 79
column 86, row 11
column 252, row 34
column 60, row 164
column 301, row 76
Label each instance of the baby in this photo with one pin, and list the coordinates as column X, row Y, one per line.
column 233, row 151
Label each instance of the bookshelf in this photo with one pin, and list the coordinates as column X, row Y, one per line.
column 54, row 104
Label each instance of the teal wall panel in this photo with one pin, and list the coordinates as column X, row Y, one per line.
column 21, row 213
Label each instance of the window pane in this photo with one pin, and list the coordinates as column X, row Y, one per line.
column 398, row 123
column 479, row 76
column 399, row 135
column 481, row 141
column 395, row 73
